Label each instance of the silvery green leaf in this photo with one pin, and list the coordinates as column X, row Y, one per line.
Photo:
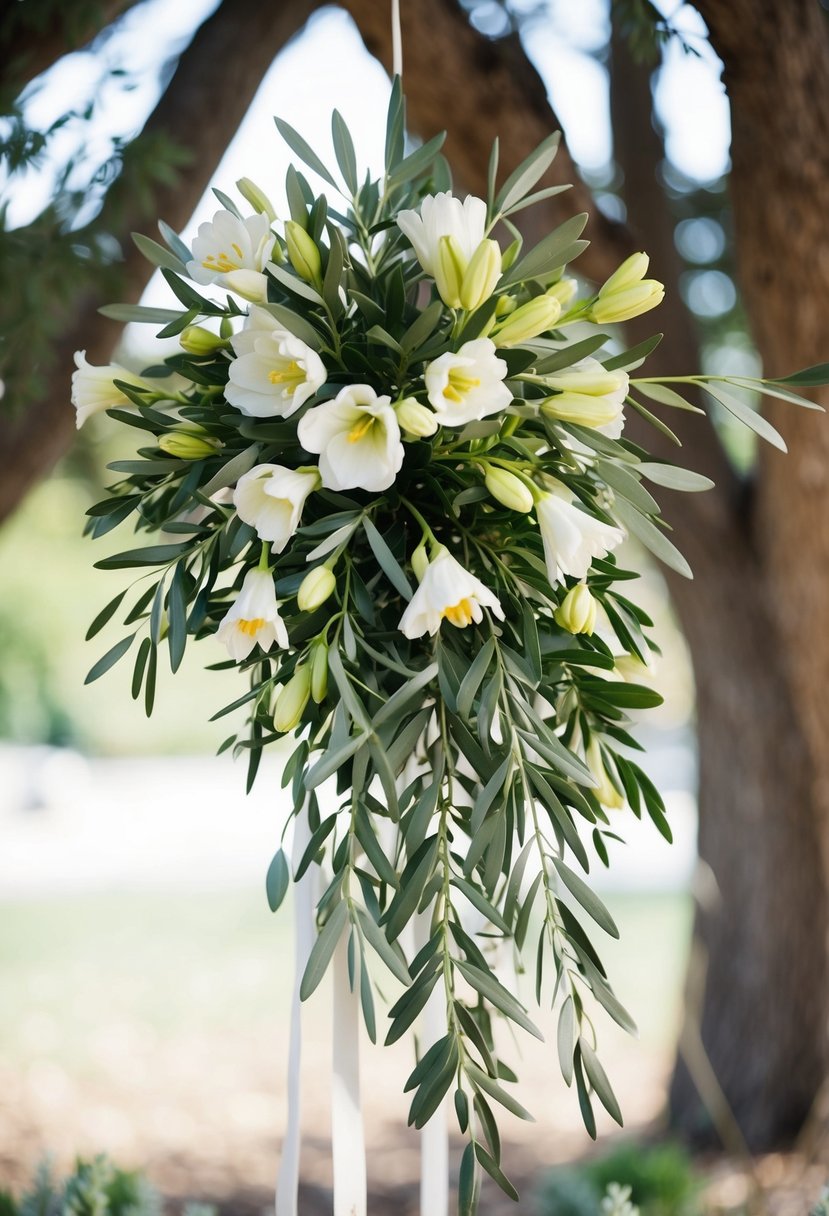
column 277, row 880
column 745, row 414
column 651, row 537
column 588, row 898
column 323, row 950
column 598, row 1079
column 664, row 395
column 531, row 170
column 674, row 478
column 303, row 150
column 566, row 1039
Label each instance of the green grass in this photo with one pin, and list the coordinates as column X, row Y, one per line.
column 69, row 966
column 217, row 960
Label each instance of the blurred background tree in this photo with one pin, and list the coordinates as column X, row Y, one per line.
column 759, row 543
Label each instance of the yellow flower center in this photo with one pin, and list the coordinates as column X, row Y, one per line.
column 290, row 373
column 459, row 385
column 250, row 628
column 361, row 428
column 461, row 614
column 223, row 263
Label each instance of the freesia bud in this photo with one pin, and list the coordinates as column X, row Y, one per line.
column 415, row 419
column 197, row 340
column 631, row 271
column 563, row 291
column 627, row 293
column 577, row 611
column 449, row 271
column 303, row 253
column 291, row 702
column 508, row 489
column 186, row 446
column 420, row 561
column 249, row 284
column 531, row 319
column 319, row 673
column 632, row 302
column 257, row 198
column 481, row 275
column 315, row 588
column 606, row 791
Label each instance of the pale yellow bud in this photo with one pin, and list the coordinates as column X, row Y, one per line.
column 508, row 489
column 505, row 305
column 303, row 253
column 420, row 561
column 577, row 611
column 563, row 291
column 291, row 702
column 415, row 419
column 197, row 340
column 449, row 271
column 531, row 319
column 315, row 589
column 606, row 791
column 257, row 198
column 319, row 673
column 632, row 270
column 186, row 446
column 632, row 302
column 481, row 275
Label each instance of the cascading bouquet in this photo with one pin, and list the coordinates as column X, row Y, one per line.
column 392, row 483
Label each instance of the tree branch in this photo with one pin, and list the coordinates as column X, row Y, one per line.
column 201, row 109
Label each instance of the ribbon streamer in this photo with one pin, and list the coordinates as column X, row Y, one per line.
column 287, row 1184
column 348, row 1141
column 434, row 1137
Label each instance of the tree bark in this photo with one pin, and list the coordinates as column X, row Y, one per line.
column 756, row 825
column 776, row 59
column 28, row 50
column 202, row 107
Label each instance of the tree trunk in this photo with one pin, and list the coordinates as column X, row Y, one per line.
column 757, row 823
column 776, row 60
column 214, row 84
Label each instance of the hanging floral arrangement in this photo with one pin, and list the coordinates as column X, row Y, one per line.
column 391, row 483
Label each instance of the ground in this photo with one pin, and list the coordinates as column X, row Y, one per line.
column 153, row 1026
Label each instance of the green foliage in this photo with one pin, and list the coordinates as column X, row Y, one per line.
column 660, row 1179
column 94, row 1188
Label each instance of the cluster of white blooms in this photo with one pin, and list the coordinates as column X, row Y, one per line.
column 357, row 434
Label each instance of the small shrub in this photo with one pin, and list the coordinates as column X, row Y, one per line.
column 821, row 1208
column 660, row 1182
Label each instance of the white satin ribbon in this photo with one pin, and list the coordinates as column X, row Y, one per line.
column 287, row 1184
column 434, row 1137
column 347, row 1138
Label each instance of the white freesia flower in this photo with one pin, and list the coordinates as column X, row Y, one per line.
column 253, row 618
column 572, row 537
column 589, row 395
column 357, row 436
column 447, row 592
column 444, row 215
column 468, row 385
column 93, row 388
column 233, row 252
column 270, row 498
column 274, row 373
